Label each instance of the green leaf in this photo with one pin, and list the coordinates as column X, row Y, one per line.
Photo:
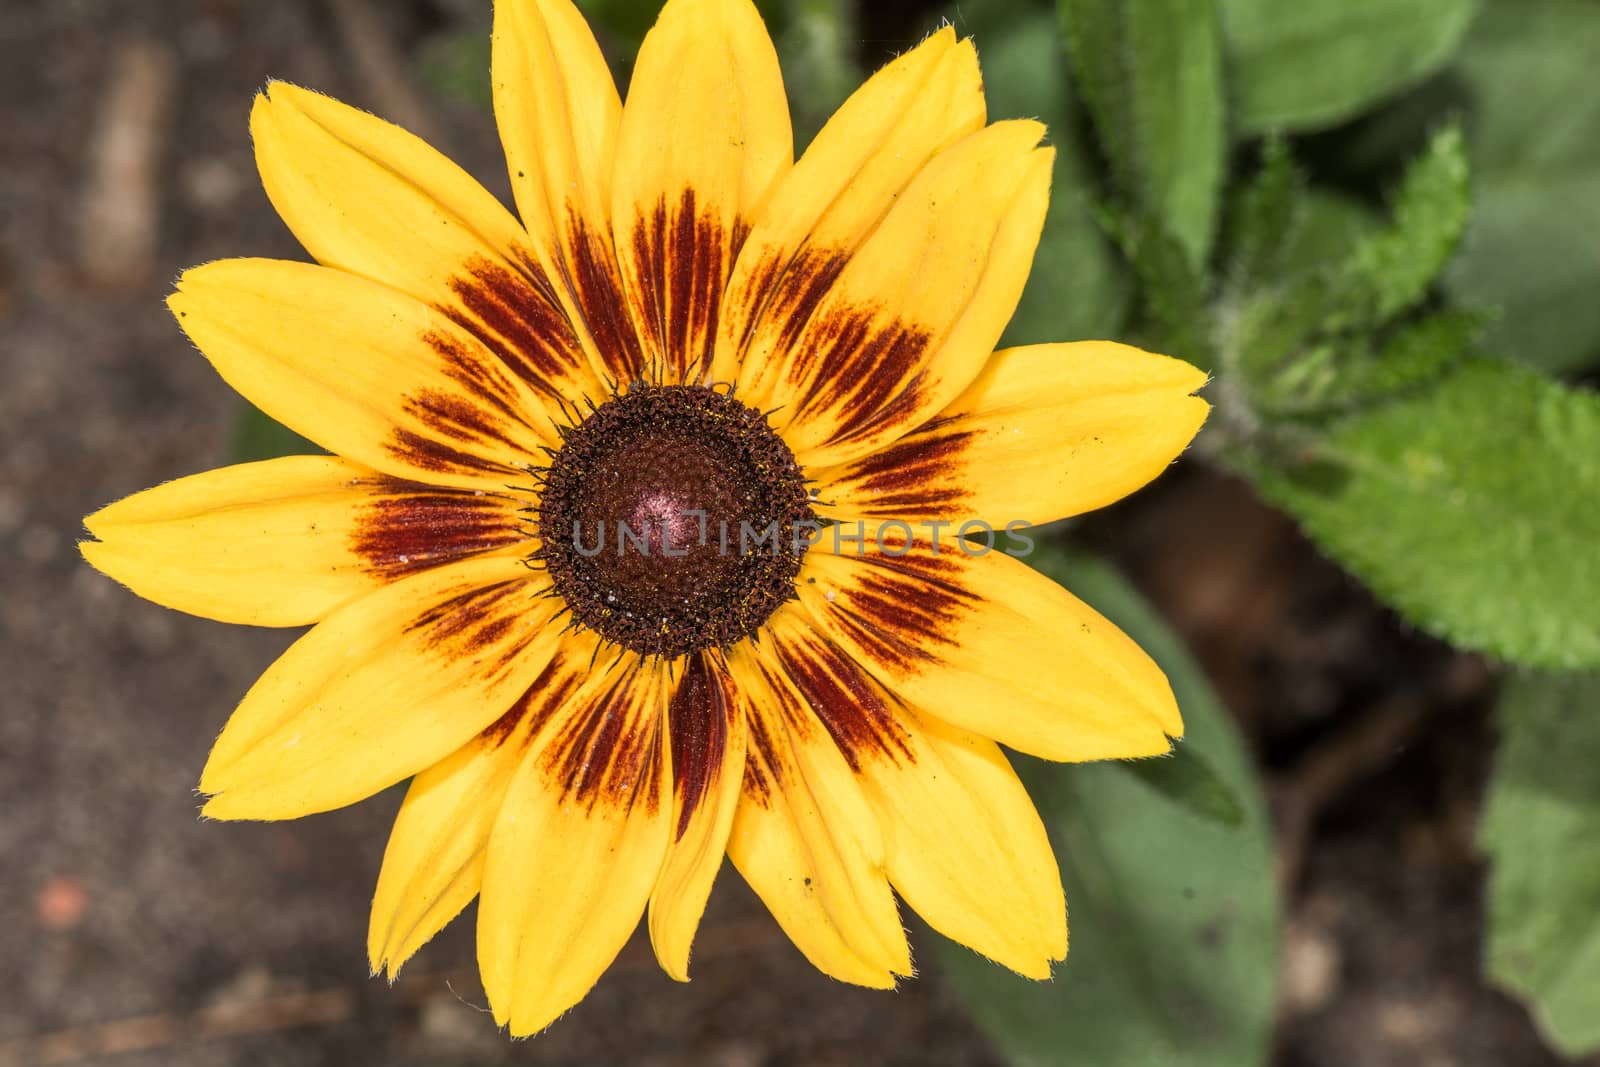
column 257, row 436
column 1174, row 918
column 1413, row 357
column 1314, row 63
column 1535, row 144
column 1261, row 218
column 1187, row 779
column 1078, row 288
column 1470, row 507
column 1297, row 316
column 1541, row 832
column 1172, row 290
column 1391, row 271
column 1151, row 73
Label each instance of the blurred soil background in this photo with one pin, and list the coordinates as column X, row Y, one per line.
column 132, row 933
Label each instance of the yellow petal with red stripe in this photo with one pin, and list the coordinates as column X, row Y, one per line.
column 1045, row 432
column 384, row 687
column 705, row 135
column 807, row 841
column 285, row 541
column 963, row 843
column 888, row 345
column 989, row 645
column 558, row 113
column 706, row 729
column 433, row 865
column 364, row 371
column 577, row 846
column 842, row 186
column 367, row 197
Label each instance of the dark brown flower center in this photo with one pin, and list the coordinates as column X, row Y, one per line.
column 673, row 519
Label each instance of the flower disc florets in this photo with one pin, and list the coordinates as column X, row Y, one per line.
column 673, row 519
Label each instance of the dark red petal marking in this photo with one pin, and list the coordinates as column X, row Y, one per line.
column 488, row 625
column 517, row 317
column 859, row 362
column 410, row 527
column 698, row 727
column 596, row 286
column 919, row 476
column 785, row 293
column 533, row 709
column 863, row 365
column 608, row 751
column 683, row 257
column 463, row 427
column 859, row 716
column 903, row 610
column 759, row 777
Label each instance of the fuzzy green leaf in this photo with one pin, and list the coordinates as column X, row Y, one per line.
column 1174, row 917
column 1310, row 64
column 1151, row 73
column 1541, row 832
column 1262, row 217
column 1470, row 507
column 1172, row 290
column 1528, row 66
column 1391, row 271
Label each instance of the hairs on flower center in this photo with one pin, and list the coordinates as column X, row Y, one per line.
column 673, row 519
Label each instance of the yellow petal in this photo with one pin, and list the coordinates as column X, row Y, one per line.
column 576, row 848
column 433, row 866
column 705, row 135
column 364, row 371
column 364, row 196
column 888, row 345
column 967, row 849
column 843, row 185
column 964, row 845
column 806, row 840
column 988, row 644
column 1045, row 432
column 382, row 688
column 286, row 541
column 706, row 727
column 558, row 113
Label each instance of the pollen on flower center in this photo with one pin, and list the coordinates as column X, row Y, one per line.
column 673, row 519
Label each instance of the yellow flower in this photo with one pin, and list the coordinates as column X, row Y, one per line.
column 688, row 337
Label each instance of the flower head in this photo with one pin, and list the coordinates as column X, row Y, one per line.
column 641, row 542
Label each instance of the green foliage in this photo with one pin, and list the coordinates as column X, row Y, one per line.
column 1186, row 778
column 1174, row 916
column 1151, row 73
column 1311, row 283
column 1528, row 70
column 1541, row 831
column 1310, row 64
column 621, row 24
column 1391, row 270
column 455, row 62
column 257, row 435
column 1077, row 289
column 813, row 39
column 1173, row 288
column 1470, row 507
